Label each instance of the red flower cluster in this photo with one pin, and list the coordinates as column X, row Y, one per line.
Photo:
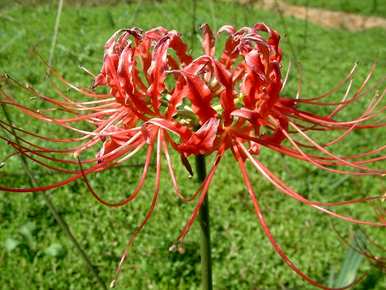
column 160, row 97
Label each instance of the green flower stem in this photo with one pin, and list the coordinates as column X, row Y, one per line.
column 206, row 259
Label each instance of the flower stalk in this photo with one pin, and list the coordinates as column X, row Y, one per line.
column 206, row 257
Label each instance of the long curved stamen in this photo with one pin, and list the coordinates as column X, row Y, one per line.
column 95, row 168
column 269, row 235
column 203, row 190
column 325, row 160
column 173, row 176
column 133, row 195
column 341, row 160
column 317, row 164
column 287, row 190
column 5, row 126
column 148, row 213
column 337, row 87
column 372, row 105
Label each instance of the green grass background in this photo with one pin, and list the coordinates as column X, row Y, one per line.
column 34, row 252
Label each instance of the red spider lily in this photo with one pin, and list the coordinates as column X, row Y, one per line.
column 160, row 97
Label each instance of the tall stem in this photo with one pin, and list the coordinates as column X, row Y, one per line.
column 206, row 259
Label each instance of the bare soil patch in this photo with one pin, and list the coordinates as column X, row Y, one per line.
column 322, row 17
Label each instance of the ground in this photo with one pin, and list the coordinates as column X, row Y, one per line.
column 35, row 253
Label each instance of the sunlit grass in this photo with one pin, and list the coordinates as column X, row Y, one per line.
column 42, row 258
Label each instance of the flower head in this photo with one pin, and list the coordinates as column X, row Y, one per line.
column 159, row 97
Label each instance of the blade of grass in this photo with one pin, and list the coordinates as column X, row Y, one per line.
column 194, row 23
column 165, row 13
column 56, row 31
column 352, row 260
column 135, row 13
column 298, row 67
column 213, row 15
column 306, row 27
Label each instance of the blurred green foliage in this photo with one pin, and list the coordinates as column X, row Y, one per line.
column 34, row 253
